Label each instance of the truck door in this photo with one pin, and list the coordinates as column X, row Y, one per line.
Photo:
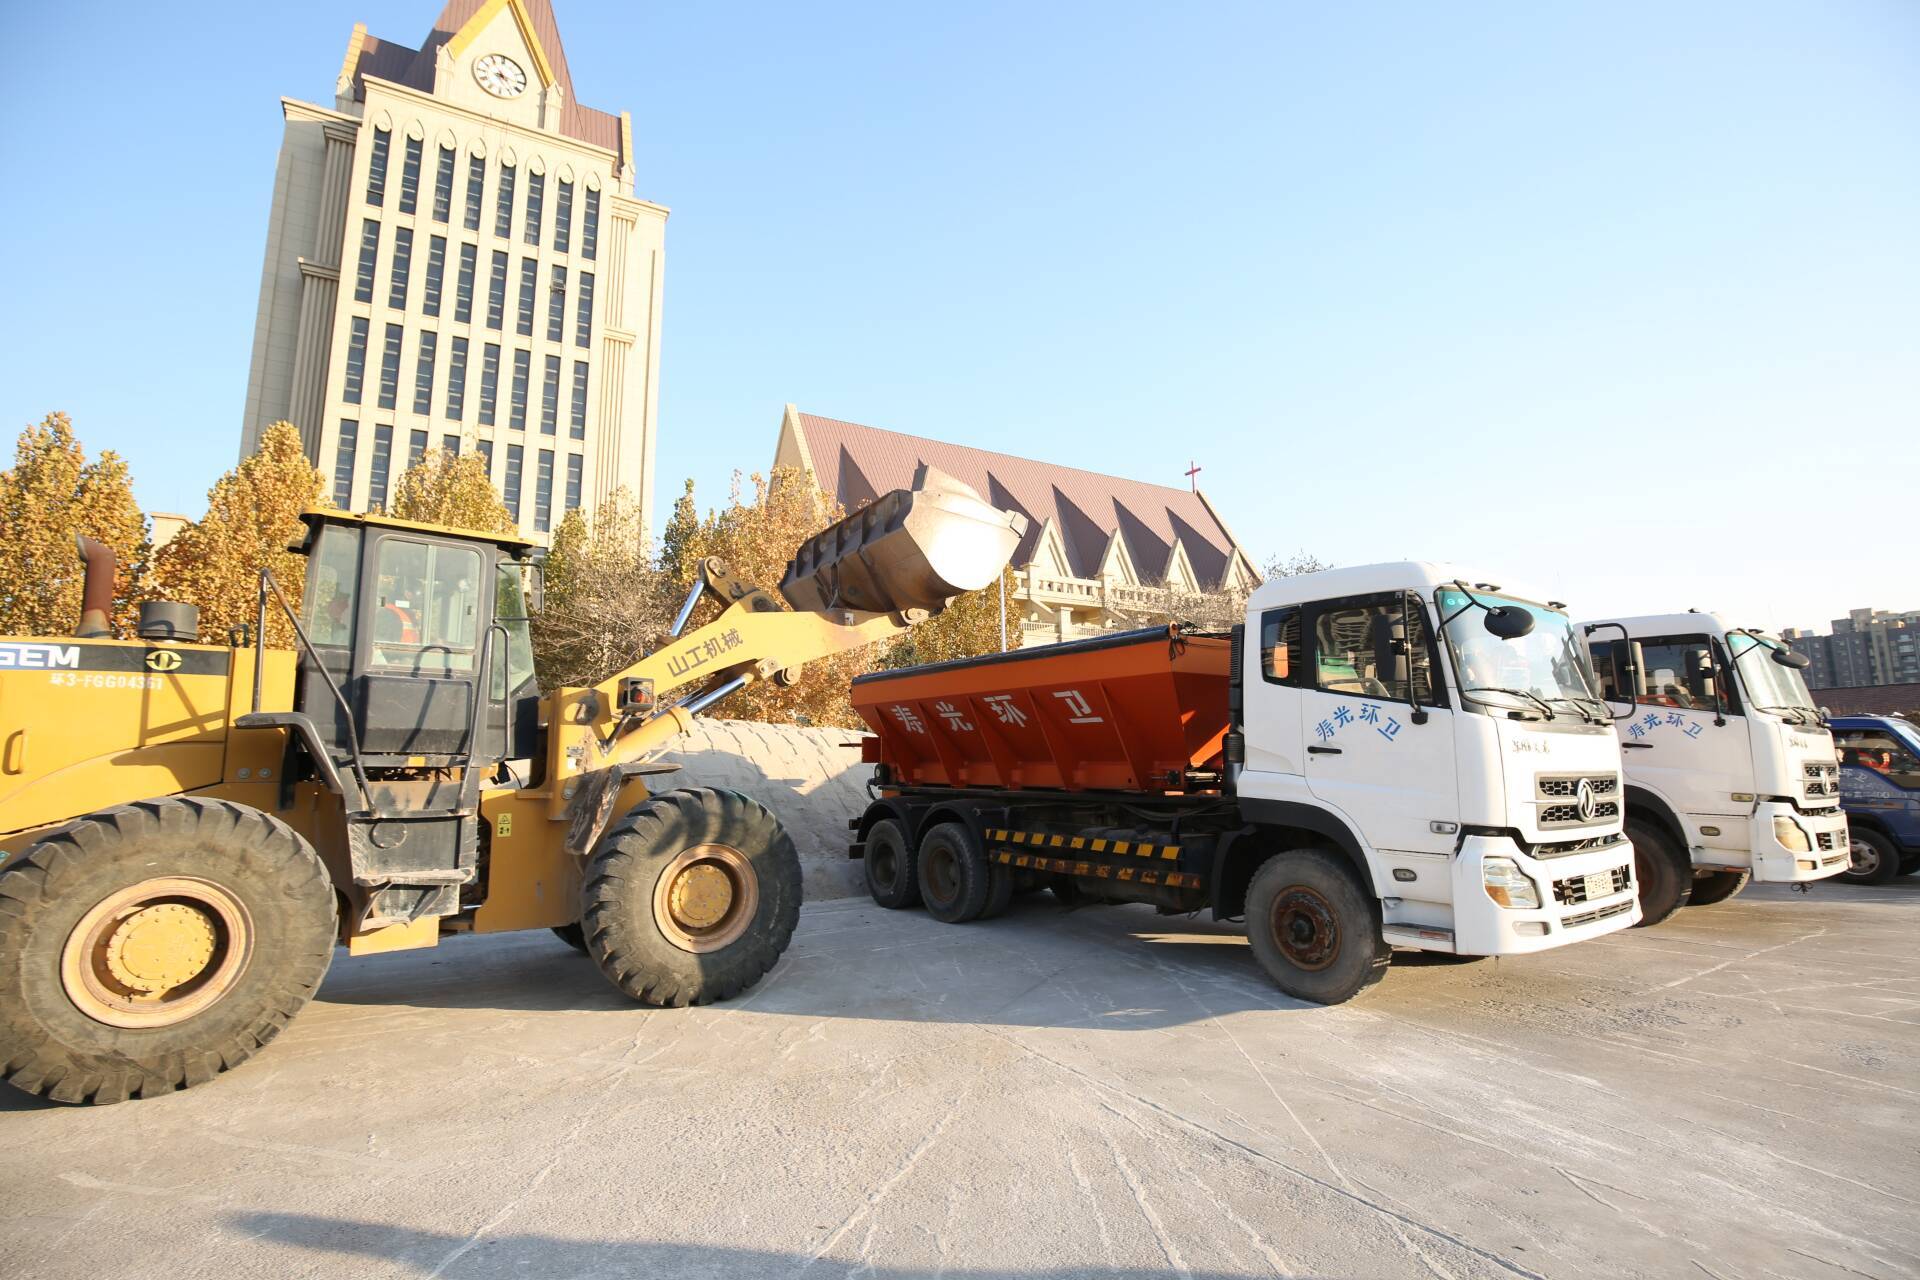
column 1365, row 755
column 1673, row 745
column 1271, row 694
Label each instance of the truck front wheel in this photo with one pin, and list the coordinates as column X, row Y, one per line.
column 1716, row 886
column 1313, row 928
column 1663, row 869
column 691, row 897
column 151, row 947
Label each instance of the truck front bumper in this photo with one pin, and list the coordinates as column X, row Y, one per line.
column 1775, row 861
column 1568, row 911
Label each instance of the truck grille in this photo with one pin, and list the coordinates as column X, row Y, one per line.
column 1575, row 890
column 1822, row 780
column 1561, row 848
column 1601, row 913
column 1565, row 788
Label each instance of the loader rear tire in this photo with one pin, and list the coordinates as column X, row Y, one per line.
column 691, row 897
column 150, row 947
column 1313, row 928
column 955, row 881
column 891, row 870
column 572, row 934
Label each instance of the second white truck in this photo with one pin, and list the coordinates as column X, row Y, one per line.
column 1731, row 773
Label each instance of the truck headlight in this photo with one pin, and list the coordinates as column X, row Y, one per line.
column 1507, row 884
column 1790, row 835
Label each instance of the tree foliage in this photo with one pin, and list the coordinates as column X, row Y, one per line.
column 606, row 605
column 253, row 517
column 50, row 494
column 451, row 489
column 1296, row 564
column 967, row 628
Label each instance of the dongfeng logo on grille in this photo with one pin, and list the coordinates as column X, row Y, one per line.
column 1585, row 800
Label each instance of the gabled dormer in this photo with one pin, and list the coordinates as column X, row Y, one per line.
column 496, row 63
column 1050, row 553
column 1179, row 575
column 1116, row 565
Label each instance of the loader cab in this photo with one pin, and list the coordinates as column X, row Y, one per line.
column 415, row 623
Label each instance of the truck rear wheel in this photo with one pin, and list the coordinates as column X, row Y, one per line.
column 691, row 897
column 955, row 882
column 1313, row 928
column 1871, row 858
column 1716, row 886
column 1663, row 870
column 891, row 870
column 151, row 947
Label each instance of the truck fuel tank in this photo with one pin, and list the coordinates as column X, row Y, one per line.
column 912, row 548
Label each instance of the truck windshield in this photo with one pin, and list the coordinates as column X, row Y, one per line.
column 1770, row 686
column 1543, row 674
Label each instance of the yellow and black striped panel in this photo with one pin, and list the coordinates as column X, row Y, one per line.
column 1087, row 844
column 1097, row 870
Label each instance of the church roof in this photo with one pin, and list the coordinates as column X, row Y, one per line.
column 399, row 64
column 1089, row 511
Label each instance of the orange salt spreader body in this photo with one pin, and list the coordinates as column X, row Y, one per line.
column 1138, row 711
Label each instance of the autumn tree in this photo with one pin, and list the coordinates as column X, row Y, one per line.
column 1296, row 564
column 967, row 628
column 50, row 494
column 606, row 605
column 451, row 489
column 756, row 538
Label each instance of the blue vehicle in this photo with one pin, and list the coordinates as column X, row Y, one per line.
column 1880, row 790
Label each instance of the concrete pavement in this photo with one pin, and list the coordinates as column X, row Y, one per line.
column 1102, row 1092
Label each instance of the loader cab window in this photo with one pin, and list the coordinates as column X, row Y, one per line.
column 510, row 611
column 426, row 607
column 1355, row 649
column 333, row 573
column 1283, row 656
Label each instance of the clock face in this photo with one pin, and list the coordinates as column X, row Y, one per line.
column 500, row 75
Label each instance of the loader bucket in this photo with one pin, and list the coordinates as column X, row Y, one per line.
column 912, row 548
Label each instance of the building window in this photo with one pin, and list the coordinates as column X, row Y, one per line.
column 574, row 466
column 443, row 187
column 557, row 305
column 450, row 445
column 436, row 272
column 369, row 250
column 402, row 264
column 590, row 227
column 529, row 277
column 510, row 485
column 497, row 291
column 356, row 360
column 463, row 286
column 423, row 372
column 390, row 368
column 410, row 177
column 377, row 167
column 416, row 448
column 550, row 398
column 485, row 449
column 517, row 403
column 457, row 380
column 563, row 218
column 536, row 202
column 577, row 428
column 476, row 190
column 503, row 204
column 543, row 492
column 343, row 462
column 583, row 319
column 377, row 472
column 489, row 382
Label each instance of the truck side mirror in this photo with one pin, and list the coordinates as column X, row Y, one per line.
column 1389, row 650
column 1277, row 662
column 1508, row 622
column 1789, row 658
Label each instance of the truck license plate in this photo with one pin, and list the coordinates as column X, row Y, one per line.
column 1599, row 884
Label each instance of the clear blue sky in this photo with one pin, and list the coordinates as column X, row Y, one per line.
column 1619, row 299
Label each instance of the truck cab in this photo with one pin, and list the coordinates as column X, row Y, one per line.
column 1731, row 772
column 1455, row 731
column 1880, row 791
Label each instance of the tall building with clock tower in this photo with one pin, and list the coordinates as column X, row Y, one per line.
column 456, row 260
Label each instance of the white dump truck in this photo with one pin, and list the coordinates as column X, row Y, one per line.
column 1731, row 770
column 1377, row 757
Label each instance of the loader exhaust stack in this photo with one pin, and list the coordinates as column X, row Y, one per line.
column 96, row 596
column 910, row 549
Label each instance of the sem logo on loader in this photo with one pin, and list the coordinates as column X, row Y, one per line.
column 40, row 657
column 163, row 660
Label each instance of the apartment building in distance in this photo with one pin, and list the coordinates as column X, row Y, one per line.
column 1868, row 647
column 456, row 260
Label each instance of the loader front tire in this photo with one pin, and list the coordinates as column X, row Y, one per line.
column 150, row 947
column 691, row 897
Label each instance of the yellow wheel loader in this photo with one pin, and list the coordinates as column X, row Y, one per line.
column 188, row 829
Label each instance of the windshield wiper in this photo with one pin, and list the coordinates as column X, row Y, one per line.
column 1794, row 712
column 1537, row 700
column 1580, row 705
